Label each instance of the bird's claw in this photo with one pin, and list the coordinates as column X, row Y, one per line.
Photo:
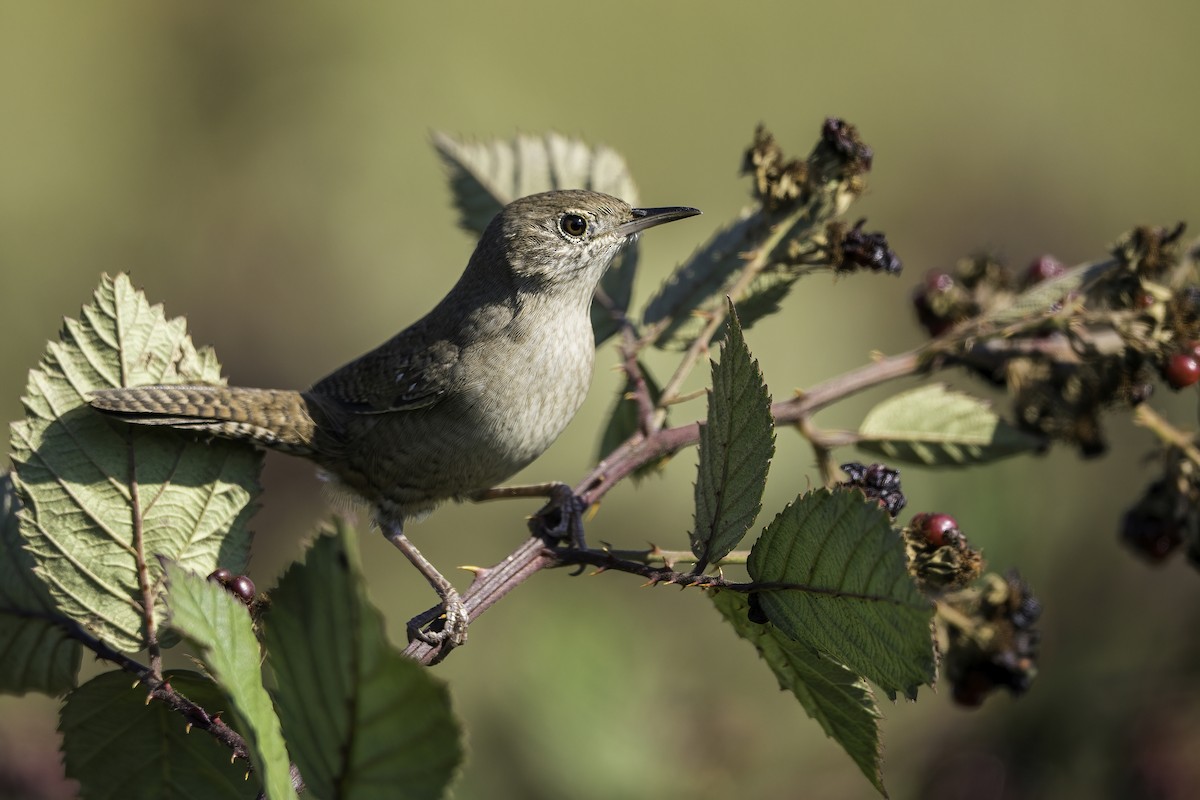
column 569, row 508
column 450, row 620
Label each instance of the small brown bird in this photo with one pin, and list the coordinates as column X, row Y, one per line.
column 458, row 402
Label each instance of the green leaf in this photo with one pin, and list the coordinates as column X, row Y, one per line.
column 35, row 653
column 102, row 499
column 362, row 720
column 685, row 302
column 736, row 445
column 701, row 281
column 840, row 701
column 486, row 176
column 1041, row 296
column 937, row 426
column 853, row 597
column 117, row 746
column 623, row 421
column 220, row 626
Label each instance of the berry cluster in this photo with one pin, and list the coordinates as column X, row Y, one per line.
column 879, row 482
column 939, row 557
column 995, row 643
column 239, row 586
column 856, row 249
column 837, row 164
column 1168, row 514
column 1069, row 344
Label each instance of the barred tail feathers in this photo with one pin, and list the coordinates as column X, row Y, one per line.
column 277, row 419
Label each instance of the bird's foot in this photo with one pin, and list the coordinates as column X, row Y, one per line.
column 562, row 517
column 443, row 625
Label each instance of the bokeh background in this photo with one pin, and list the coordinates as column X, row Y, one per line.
column 265, row 169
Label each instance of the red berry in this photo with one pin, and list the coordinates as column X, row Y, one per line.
column 243, row 588
column 1043, row 269
column 1144, row 300
column 971, row 689
column 1192, row 348
column 937, row 281
column 1182, row 369
column 938, row 529
column 221, row 576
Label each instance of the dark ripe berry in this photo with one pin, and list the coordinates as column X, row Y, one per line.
column 879, row 482
column 243, row 588
column 221, row 576
column 867, row 250
column 1153, row 536
column 1027, row 612
column 1043, row 269
column 972, row 688
column 932, row 315
column 1182, row 370
column 938, row 529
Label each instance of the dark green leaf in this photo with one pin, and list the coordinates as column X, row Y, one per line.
column 736, row 445
column 101, row 498
column 937, row 426
column 363, row 721
column 617, row 289
column 835, row 697
column 701, row 281
column 117, row 746
column 35, row 653
column 220, row 626
column 853, row 597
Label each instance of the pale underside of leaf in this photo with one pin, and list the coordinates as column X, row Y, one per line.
column 937, row 426
column 362, row 721
column 221, row 628
column 102, row 498
column 486, row 176
column 840, row 701
column 854, row 599
column 35, row 653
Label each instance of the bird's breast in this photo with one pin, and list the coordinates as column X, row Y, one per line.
column 525, row 387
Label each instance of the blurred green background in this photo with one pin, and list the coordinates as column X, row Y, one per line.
column 265, row 169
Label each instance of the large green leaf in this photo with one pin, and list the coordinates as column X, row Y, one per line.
column 118, row 746
column 851, row 595
column 736, row 445
column 220, row 626
column 937, row 426
column 701, row 280
column 362, row 720
column 102, row 499
column 840, row 701
column 35, row 653
column 486, row 176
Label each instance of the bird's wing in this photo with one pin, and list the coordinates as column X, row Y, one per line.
column 397, row 376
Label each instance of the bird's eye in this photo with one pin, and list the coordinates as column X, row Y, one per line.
column 573, row 225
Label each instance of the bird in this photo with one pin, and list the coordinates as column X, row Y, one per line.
column 457, row 402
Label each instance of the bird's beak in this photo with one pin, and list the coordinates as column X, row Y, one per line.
column 649, row 217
